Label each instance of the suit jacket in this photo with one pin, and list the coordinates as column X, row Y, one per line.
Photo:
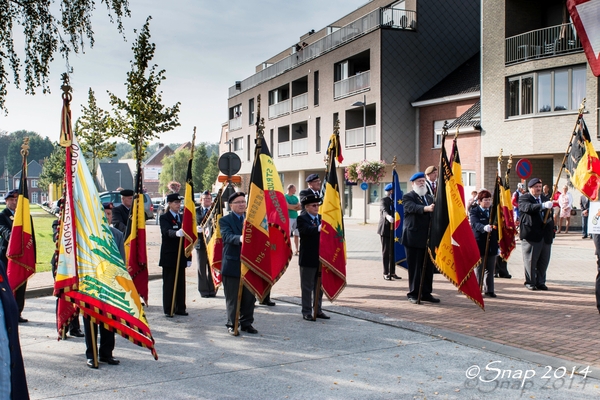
column 11, row 315
column 479, row 219
column 416, row 221
column 532, row 226
column 120, row 219
column 169, row 248
column 6, row 223
column 309, row 241
column 200, row 214
column 307, row 192
column 386, row 207
column 430, row 190
column 231, row 230
column 119, row 240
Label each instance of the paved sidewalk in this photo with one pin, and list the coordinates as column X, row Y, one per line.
column 562, row 322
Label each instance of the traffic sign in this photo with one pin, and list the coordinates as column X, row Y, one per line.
column 229, row 163
column 523, row 168
column 364, row 186
column 586, row 18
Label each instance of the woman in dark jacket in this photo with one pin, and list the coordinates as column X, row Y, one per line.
column 482, row 229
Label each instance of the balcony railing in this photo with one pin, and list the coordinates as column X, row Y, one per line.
column 354, row 137
column 387, row 17
column 279, row 109
column 352, row 85
column 235, row 124
column 300, row 146
column 300, row 102
column 283, row 149
column 542, row 43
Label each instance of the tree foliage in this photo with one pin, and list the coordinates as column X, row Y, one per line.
column 39, row 148
column 141, row 116
column 174, row 168
column 92, row 130
column 211, row 172
column 199, row 164
column 53, row 169
column 46, row 34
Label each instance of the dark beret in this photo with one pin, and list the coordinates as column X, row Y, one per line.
column 534, row 181
column 107, row 205
column 312, row 177
column 206, row 192
column 235, row 196
column 311, row 198
column 173, row 197
column 13, row 193
column 126, row 192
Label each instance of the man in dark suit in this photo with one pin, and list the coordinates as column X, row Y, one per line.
column 418, row 209
column 314, row 187
column 9, row 332
column 107, row 338
column 536, row 236
column 384, row 230
column 122, row 213
column 309, row 227
column 170, row 250
column 206, row 286
column 6, row 223
column 231, row 227
column 431, row 173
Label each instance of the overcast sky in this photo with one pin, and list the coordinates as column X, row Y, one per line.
column 204, row 46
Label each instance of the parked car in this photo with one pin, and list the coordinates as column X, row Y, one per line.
column 159, row 207
column 115, row 198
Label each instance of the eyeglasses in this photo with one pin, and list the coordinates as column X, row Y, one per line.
column 239, row 202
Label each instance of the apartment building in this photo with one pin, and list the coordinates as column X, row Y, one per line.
column 365, row 69
column 534, row 77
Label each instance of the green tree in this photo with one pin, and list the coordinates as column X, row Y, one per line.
column 92, row 130
column 199, row 163
column 45, row 35
column 174, row 168
column 39, row 148
column 211, row 172
column 141, row 116
column 53, row 169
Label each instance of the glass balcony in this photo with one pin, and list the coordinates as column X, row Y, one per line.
column 354, row 84
column 235, row 124
column 300, row 146
column 542, row 43
column 300, row 102
column 355, row 137
column 283, row 149
column 279, row 109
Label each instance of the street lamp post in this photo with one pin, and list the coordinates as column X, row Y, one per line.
column 363, row 104
column 119, row 172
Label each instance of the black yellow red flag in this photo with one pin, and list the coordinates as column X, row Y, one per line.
column 213, row 239
column 583, row 165
column 190, row 230
column 135, row 244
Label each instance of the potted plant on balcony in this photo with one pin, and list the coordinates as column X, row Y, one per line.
column 351, row 174
column 371, row 171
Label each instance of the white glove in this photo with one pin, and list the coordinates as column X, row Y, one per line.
column 241, row 239
column 547, row 204
column 487, row 228
column 319, row 228
column 179, row 233
column 199, row 229
column 389, row 218
column 188, row 264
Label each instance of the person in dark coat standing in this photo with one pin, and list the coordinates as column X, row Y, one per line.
column 384, row 230
column 231, row 227
column 536, row 236
column 418, row 209
column 479, row 217
column 585, row 209
column 107, row 337
column 6, row 223
column 431, row 173
column 13, row 384
column 309, row 227
column 122, row 213
column 314, row 187
column 171, row 248
column 206, row 286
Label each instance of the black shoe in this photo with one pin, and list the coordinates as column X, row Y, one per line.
column 249, row 329
column 77, row 333
column 396, row 276
column 231, row 331
column 22, row 320
column 110, row 360
column 412, row 300
column 90, row 363
column 168, row 316
column 584, row 237
column 542, row 287
column 268, row 303
column 205, row 296
column 308, row 317
column 184, row 313
column 387, row 277
column 491, row 294
column 506, row 276
column 530, row 287
column 430, row 299
column 322, row 315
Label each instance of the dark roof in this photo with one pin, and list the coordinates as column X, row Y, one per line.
column 34, row 170
column 464, row 79
column 471, row 117
column 111, row 177
column 158, row 155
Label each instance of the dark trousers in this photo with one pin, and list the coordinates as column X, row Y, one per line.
column 502, row 268
column 231, row 286
column 488, row 274
column 206, row 286
column 596, row 238
column 20, row 297
column 387, row 251
column 107, row 339
column 536, row 257
column 308, row 288
column 415, row 257
column 168, row 275
column 584, row 226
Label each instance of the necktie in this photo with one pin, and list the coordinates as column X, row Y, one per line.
column 538, row 200
column 425, row 200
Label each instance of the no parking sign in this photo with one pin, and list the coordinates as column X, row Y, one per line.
column 523, row 168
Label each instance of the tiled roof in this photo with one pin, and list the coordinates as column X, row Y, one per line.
column 471, row 117
column 464, row 79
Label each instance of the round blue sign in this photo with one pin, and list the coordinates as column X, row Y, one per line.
column 364, row 186
column 523, row 168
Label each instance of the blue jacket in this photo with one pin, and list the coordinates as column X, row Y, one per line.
column 231, row 230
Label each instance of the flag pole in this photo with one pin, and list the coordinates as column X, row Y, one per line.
column 393, row 225
column 94, row 337
column 181, row 239
column 567, row 152
column 490, row 221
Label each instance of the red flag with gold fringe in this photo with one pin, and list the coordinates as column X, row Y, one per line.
column 135, row 244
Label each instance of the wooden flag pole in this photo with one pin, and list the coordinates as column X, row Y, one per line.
column 94, row 336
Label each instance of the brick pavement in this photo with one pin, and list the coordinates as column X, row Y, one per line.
column 562, row 322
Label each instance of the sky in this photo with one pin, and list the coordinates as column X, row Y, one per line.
column 204, row 46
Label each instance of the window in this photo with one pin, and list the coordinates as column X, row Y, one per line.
column 469, row 178
column 251, row 112
column 238, row 144
column 235, row 111
column 316, row 89
column 34, row 183
column 546, row 91
column 437, row 132
column 318, row 134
